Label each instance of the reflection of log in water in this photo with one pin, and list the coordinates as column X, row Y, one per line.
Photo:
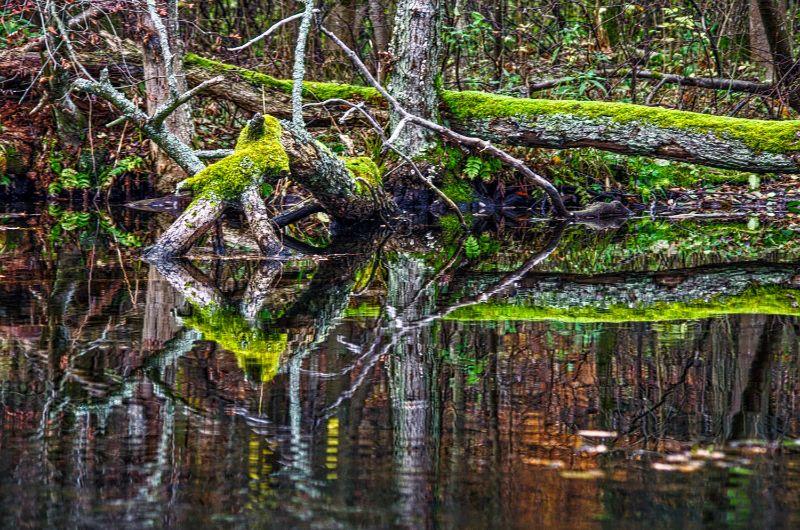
column 688, row 293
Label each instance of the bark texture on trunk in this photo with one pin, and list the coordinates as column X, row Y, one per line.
column 380, row 36
column 779, row 40
column 759, row 45
column 157, row 90
column 415, row 50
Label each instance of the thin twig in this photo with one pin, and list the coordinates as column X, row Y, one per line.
column 267, row 33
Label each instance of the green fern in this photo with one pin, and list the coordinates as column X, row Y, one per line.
column 472, row 248
column 473, row 167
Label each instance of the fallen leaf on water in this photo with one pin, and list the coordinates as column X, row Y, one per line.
column 688, row 467
column 543, row 462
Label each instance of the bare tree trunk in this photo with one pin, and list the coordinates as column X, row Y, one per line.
column 415, row 49
column 157, row 90
column 759, row 45
column 380, row 37
column 787, row 71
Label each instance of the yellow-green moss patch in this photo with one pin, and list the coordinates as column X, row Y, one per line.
column 313, row 89
column 365, row 169
column 258, row 153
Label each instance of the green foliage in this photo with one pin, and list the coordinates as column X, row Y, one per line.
column 69, row 179
column 471, row 248
column 16, row 28
column 484, row 168
column 457, row 190
column 451, row 227
column 480, row 247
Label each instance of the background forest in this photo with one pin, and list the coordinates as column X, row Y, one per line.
column 714, row 57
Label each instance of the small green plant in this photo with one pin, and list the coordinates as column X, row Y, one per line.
column 485, row 169
column 69, row 179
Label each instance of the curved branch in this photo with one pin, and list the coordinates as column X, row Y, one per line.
column 267, row 33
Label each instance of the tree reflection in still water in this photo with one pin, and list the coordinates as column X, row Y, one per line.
column 259, row 393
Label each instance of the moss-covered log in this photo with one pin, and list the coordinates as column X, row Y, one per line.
column 760, row 146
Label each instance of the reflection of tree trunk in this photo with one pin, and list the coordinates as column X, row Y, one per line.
column 606, row 347
column 160, row 324
column 753, row 404
column 410, row 385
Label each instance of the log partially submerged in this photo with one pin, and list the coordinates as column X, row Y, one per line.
column 758, row 146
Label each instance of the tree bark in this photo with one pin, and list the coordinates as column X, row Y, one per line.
column 157, row 90
column 415, row 50
column 759, row 45
column 380, row 37
column 786, row 70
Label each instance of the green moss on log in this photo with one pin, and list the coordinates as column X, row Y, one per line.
column 312, row 89
column 363, row 169
column 759, row 135
column 258, row 154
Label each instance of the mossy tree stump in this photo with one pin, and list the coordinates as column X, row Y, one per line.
column 266, row 151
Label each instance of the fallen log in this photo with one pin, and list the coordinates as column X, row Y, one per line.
column 758, row 146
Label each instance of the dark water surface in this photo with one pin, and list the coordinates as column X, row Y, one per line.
column 641, row 377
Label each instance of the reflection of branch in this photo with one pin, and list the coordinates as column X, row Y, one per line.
column 258, row 288
column 377, row 350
